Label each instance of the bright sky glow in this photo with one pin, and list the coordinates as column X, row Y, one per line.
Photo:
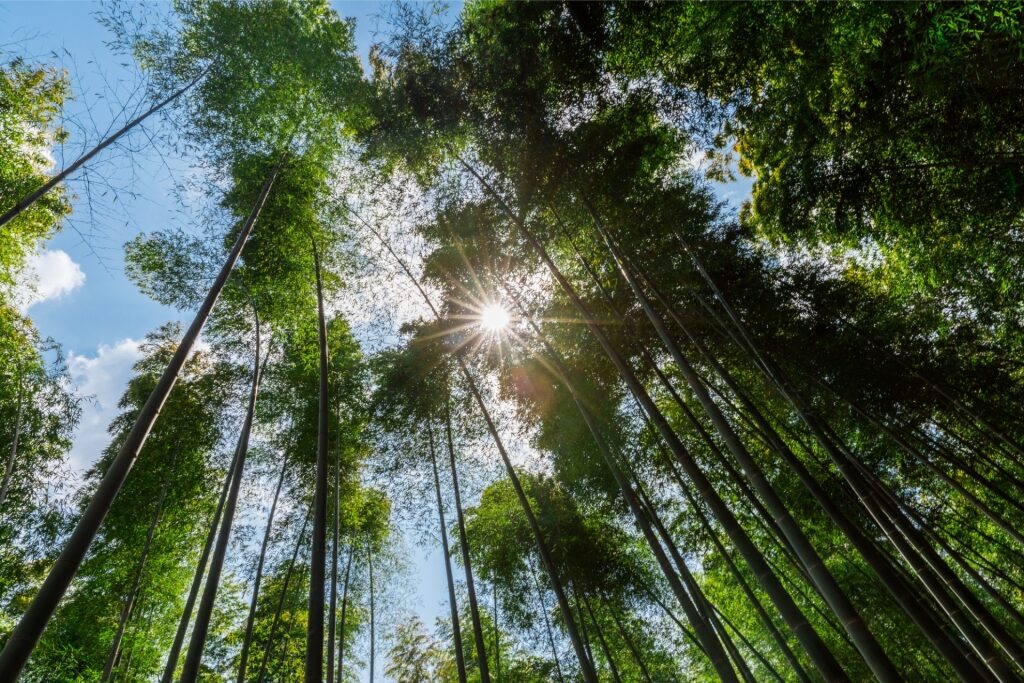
column 494, row 318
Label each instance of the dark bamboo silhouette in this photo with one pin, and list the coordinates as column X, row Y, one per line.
column 497, row 635
column 585, row 635
column 32, row 197
column 599, row 632
column 272, row 637
column 467, row 565
column 335, row 532
column 630, row 644
column 250, row 621
column 809, row 639
column 341, row 624
column 373, row 625
column 25, row 636
column 547, row 624
column 314, row 664
column 197, row 642
column 197, row 582
column 453, row 605
column 128, row 605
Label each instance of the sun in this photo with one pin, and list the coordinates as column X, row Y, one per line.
column 494, row 318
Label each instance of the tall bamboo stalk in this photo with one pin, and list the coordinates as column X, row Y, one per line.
column 197, row 582
column 197, row 642
column 467, row 565
column 31, row 198
column 314, row 664
column 250, row 620
column 872, row 653
column 272, row 637
column 808, row 637
column 26, row 634
column 332, row 609
column 453, row 605
column 341, row 625
column 373, row 624
column 128, row 605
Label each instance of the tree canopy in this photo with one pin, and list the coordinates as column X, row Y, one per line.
column 491, row 298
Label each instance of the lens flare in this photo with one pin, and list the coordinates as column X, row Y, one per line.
column 494, row 318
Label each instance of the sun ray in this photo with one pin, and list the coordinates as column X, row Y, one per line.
column 494, row 318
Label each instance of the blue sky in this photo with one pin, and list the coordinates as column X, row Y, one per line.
column 84, row 301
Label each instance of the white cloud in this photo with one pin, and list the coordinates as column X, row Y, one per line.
column 102, row 379
column 49, row 275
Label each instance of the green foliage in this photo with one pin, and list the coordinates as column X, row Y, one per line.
column 30, row 102
column 179, row 462
column 858, row 321
column 277, row 75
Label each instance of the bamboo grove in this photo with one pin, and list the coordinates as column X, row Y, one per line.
column 482, row 293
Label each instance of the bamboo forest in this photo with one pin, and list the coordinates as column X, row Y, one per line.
column 511, row 342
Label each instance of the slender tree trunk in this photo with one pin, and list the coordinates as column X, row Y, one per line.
column 335, row 531
column 585, row 635
column 904, row 536
column 474, row 610
column 808, row 637
column 373, row 626
column 272, row 637
column 872, row 653
column 497, row 634
column 599, row 632
column 704, row 606
column 344, row 605
column 589, row 675
column 197, row 582
column 314, row 665
column 709, row 641
column 13, row 455
column 752, row 598
column 128, row 663
column 690, row 635
column 547, row 624
column 750, row 646
column 453, row 605
column 624, row 632
column 31, row 198
column 128, row 605
column 25, row 636
column 243, row 657
column 197, row 642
